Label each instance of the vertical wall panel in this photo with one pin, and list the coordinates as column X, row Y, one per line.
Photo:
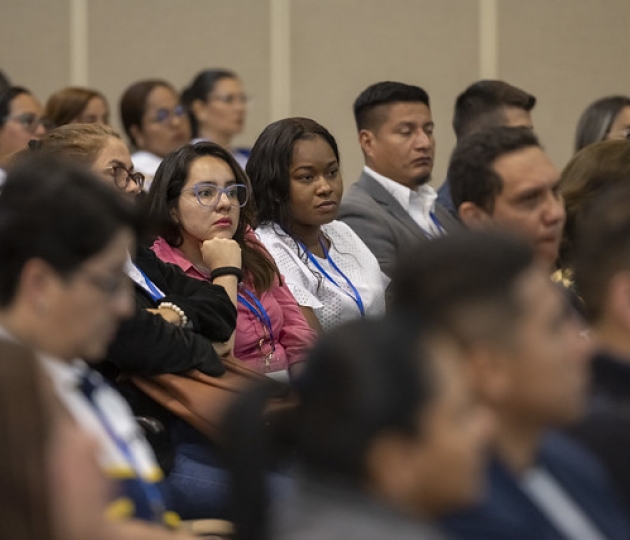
column 568, row 53
column 341, row 47
column 174, row 39
column 35, row 44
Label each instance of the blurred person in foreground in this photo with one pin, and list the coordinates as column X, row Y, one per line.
column 63, row 294
column 529, row 364
column 389, row 438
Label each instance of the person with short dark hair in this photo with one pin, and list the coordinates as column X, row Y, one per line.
column 501, row 177
column 606, row 118
column 392, row 205
column 485, row 104
column 389, row 437
column 296, row 180
column 529, row 364
column 155, row 122
column 601, row 269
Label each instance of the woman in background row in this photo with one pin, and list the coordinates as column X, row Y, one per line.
column 294, row 171
column 155, row 122
column 217, row 106
column 606, row 118
column 21, row 120
column 75, row 105
column 201, row 196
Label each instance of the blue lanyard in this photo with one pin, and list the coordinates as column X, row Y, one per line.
column 436, row 222
column 156, row 503
column 155, row 293
column 355, row 296
column 259, row 312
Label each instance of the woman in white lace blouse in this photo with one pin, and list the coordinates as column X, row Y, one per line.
column 294, row 170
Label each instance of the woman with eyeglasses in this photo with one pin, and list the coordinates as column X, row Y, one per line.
column 217, row 106
column 20, row 121
column 294, row 171
column 155, row 122
column 202, row 200
column 98, row 147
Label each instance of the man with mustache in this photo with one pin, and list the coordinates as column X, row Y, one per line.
column 392, row 206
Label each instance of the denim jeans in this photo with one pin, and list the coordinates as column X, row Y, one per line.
column 199, row 484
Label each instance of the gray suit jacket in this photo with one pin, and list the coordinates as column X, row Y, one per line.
column 383, row 224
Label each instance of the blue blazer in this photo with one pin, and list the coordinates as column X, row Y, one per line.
column 507, row 513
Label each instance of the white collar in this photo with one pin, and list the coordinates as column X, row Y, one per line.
column 423, row 196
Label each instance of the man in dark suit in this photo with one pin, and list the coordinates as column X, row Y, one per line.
column 529, row 365
column 392, row 206
column 485, row 104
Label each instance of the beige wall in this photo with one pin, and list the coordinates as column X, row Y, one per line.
column 322, row 53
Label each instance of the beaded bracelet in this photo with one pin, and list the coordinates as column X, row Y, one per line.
column 227, row 271
column 183, row 319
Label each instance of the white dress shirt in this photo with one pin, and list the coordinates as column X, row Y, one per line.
column 419, row 203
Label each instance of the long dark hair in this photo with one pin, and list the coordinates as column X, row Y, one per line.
column 166, row 188
column 269, row 163
column 597, row 119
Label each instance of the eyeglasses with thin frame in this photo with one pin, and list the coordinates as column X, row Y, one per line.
column 163, row 116
column 232, row 99
column 209, row 194
column 30, row 121
column 122, row 176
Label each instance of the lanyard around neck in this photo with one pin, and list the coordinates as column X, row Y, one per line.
column 88, row 387
column 254, row 305
column 437, row 223
column 151, row 287
column 438, row 226
column 356, row 297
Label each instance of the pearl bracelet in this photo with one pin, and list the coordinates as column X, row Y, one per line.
column 183, row 319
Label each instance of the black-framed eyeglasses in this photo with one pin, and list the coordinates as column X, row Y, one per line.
column 162, row 116
column 30, row 121
column 122, row 176
column 209, row 194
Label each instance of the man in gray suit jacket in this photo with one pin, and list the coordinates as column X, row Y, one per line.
column 392, row 207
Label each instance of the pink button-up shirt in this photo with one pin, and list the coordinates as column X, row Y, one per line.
column 293, row 337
